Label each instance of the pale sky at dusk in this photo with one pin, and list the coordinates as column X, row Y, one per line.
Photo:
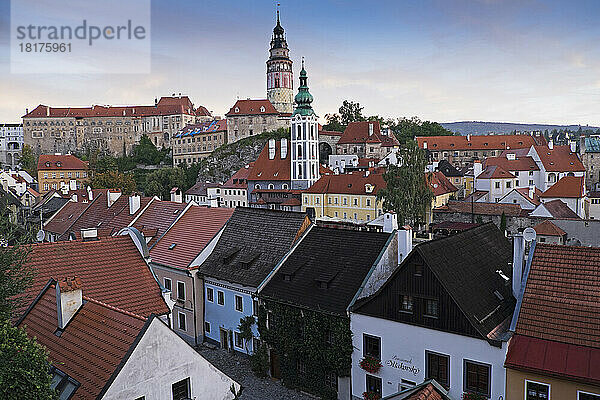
column 492, row 60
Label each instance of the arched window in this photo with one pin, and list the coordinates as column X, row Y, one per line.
column 552, row 177
column 312, row 132
column 299, row 151
column 257, row 186
column 285, row 186
column 299, row 171
column 271, row 186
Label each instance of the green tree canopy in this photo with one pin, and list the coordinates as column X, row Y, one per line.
column 407, row 190
column 349, row 111
column 146, row 153
column 114, row 180
column 28, row 161
column 160, row 182
column 24, row 373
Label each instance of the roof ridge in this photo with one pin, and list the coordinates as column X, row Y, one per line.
column 129, row 313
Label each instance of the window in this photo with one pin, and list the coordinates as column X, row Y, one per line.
column 255, row 307
column 418, row 269
column 587, row 396
column 368, row 202
column 431, row 308
column 210, row 294
column 180, row 291
column 497, row 185
column 141, row 398
column 437, row 366
column 373, row 384
column 239, row 303
column 168, row 284
column 181, row 389
column 371, row 346
column 537, row 391
column 239, row 342
column 508, row 184
column 220, row 298
column 206, row 326
column 477, row 377
column 406, row 304
column 64, row 385
column 181, row 318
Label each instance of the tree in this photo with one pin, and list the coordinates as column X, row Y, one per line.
column 503, row 223
column 407, row 190
column 349, row 111
column 15, row 276
column 114, row 180
column 146, row 153
column 161, row 181
column 24, row 373
column 27, row 161
column 245, row 328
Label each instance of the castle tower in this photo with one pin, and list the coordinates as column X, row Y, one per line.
column 304, row 138
column 280, row 78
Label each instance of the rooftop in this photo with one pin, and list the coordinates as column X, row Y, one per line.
column 252, row 107
column 352, row 183
column 455, row 206
column 559, row 159
column 440, row 185
column 547, row 228
column 360, row 132
column 476, row 142
column 566, row 187
column 60, row 162
column 202, row 128
column 275, row 169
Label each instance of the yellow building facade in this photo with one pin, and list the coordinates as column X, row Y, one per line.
column 359, row 208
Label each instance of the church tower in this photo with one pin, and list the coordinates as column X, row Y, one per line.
column 280, row 78
column 304, row 138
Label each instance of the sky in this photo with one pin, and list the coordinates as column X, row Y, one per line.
column 442, row 60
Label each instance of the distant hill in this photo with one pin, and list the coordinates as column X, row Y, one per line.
column 482, row 128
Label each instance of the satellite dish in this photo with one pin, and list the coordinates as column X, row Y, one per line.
column 529, row 234
column 40, row 236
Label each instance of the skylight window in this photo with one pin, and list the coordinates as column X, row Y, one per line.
column 172, row 246
column 63, row 383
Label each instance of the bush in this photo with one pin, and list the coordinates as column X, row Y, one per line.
column 259, row 361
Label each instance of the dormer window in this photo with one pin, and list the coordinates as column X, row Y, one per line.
column 237, row 110
column 47, row 163
column 172, row 246
column 58, row 164
column 262, row 109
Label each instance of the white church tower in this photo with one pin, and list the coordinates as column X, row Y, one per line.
column 304, row 138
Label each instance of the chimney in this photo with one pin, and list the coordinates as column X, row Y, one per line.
column 370, row 129
column 425, row 145
column 47, row 111
column 90, row 194
column 176, row 195
column 531, row 191
column 511, row 156
column 573, row 145
column 405, row 243
column 518, row 255
column 367, row 173
column 284, row 149
column 134, row 203
column 69, row 298
column 477, row 168
column 271, row 149
column 550, row 144
column 582, row 145
column 469, row 137
column 64, row 190
column 112, row 197
column 73, row 184
column 390, row 222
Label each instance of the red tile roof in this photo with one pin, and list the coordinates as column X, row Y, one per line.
column 166, row 106
column 57, row 162
column 331, row 133
column 277, row 169
column 429, row 392
column 111, row 269
column 440, row 185
column 536, row 195
column 559, row 159
column 566, row 187
column 455, row 206
column 547, row 228
column 252, row 107
column 559, row 210
column 65, row 217
column 358, row 132
column 352, row 183
column 159, row 215
column 560, row 314
column 476, row 142
column 239, row 180
column 519, row 164
column 495, row 172
column 190, row 234
column 91, row 346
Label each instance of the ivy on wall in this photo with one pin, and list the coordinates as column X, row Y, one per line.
column 312, row 346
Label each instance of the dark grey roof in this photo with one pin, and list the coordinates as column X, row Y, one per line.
column 448, row 169
column 337, row 258
column 466, row 266
column 199, row 189
column 253, row 242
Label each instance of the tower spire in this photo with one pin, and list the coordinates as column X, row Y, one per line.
column 303, row 98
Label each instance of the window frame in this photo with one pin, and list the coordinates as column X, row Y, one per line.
column 179, row 319
column 465, row 377
column 178, row 297
column 210, row 298
column 188, row 384
column 538, row 383
column 220, row 295
column 364, row 350
column 207, row 325
column 237, row 335
column 170, row 288
column 235, row 303
column 437, row 308
column 376, row 378
column 580, row 392
column 438, row 354
column 412, row 303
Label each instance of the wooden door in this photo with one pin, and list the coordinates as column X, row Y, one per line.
column 275, row 365
column 224, row 341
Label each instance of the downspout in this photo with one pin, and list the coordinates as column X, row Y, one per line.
column 194, row 307
column 513, row 323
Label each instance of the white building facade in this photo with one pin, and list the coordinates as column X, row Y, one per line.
column 11, row 144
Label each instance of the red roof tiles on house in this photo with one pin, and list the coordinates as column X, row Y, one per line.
column 58, row 162
column 353, row 183
column 65, row 217
column 476, row 142
column 359, row 132
column 560, row 210
column 455, row 206
column 547, row 228
column 159, row 215
column 566, row 187
column 495, row 172
column 252, row 107
column 519, row 164
column 536, row 195
column 559, row 159
column 440, row 185
column 91, row 346
column 182, row 243
column 111, row 269
column 276, row 169
column 239, row 180
column 557, row 328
